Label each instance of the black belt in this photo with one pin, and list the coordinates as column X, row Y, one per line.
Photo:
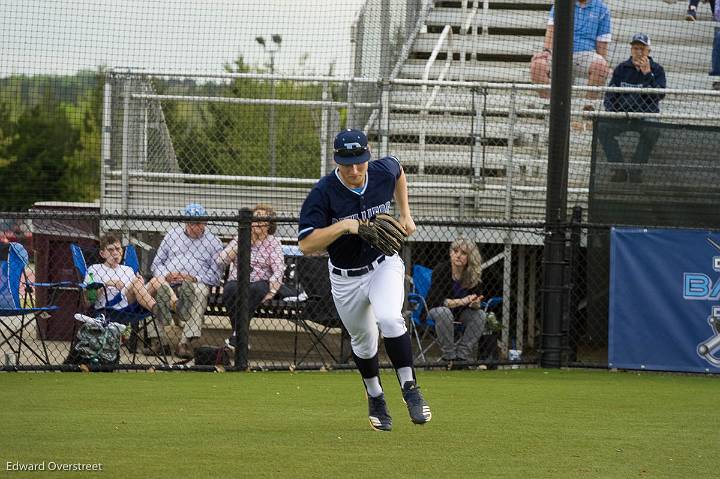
column 358, row 271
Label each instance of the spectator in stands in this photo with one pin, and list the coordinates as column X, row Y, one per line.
column 124, row 289
column 267, row 268
column 455, row 296
column 716, row 49
column 691, row 14
column 639, row 71
column 186, row 259
column 590, row 49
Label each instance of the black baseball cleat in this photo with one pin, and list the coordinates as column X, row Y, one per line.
column 417, row 407
column 378, row 415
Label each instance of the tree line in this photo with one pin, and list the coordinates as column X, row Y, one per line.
column 49, row 138
column 51, row 131
column 235, row 139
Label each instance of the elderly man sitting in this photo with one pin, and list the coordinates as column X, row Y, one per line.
column 639, row 71
column 186, row 260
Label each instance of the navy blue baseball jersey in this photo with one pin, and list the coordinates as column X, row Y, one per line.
column 331, row 201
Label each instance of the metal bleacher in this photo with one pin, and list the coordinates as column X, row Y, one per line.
column 498, row 143
column 473, row 153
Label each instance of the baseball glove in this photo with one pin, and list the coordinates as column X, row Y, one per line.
column 384, row 233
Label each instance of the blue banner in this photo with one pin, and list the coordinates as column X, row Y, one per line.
column 664, row 300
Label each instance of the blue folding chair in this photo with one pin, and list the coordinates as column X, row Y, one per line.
column 421, row 324
column 13, row 306
column 134, row 315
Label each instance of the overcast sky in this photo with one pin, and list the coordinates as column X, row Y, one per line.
column 64, row 36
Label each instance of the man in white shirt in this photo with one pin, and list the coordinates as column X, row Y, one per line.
column 186, row 260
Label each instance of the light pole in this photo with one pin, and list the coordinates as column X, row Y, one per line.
column 271, row 48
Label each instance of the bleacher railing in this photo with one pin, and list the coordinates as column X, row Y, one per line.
column 479, row 148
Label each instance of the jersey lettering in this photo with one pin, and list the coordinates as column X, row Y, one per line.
column 367, row 214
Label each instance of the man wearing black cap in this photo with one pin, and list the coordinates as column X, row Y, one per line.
column 367, row 286
column 639, row 71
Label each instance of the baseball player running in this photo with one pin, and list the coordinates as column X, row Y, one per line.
column 346, row 213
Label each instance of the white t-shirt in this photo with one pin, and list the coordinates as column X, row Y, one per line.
column 102, row 273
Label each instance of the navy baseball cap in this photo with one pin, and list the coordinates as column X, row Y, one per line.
column 351, row 148
column 195, row 209
column 640, row 38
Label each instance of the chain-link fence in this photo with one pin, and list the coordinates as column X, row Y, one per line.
column 173, row 285
column 72, row 267
column 471, row 150
column 456, row 90
column 247, row 121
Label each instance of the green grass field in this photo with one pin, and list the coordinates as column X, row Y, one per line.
column 513, row 423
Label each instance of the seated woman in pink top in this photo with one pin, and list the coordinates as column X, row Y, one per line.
column 267, row 267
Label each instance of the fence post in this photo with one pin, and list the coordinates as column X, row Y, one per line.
column 570, row 315
column 106, row 146
column 385, row 35
column 242, row 315
column 125, row 167
column 557, row 171
column 506, row 338
column 384, row 129
column 324, row 132
column 510, row 152
column 520, row 313
column 353, row 73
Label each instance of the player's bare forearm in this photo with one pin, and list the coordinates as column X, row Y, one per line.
column 321, row 238
column 403, row 204
column 401, row 195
